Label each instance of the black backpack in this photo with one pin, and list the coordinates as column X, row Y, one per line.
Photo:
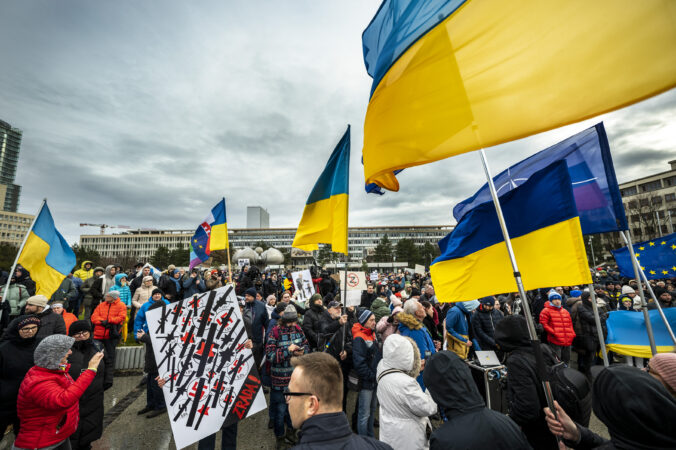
column 570, row 388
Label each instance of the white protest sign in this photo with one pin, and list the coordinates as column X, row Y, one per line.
column 199, row 348
column 355, row 280
column 241, row 262
column 302, row 282
column 420, row 269
column 353, row 298
column 374, row 275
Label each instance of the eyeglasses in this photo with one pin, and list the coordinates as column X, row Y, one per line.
column 34, row 328
column 288, row 394
column 80, row 333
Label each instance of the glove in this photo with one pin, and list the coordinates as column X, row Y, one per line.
column 104, row 323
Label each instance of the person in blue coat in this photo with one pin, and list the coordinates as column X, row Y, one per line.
column 140, row 322
column 458, row 326
column 410, row 325
column 193, row 284
column 259, row 323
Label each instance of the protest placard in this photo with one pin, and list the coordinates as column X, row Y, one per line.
column 241, row 262
column 302, row 281
column 355, row 280
column 420, row 269
column 212, row 378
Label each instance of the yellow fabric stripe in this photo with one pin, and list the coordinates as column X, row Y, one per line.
column 551, row 256
column 47, row 279
column 324, row 222
column 497, row 70
column 219, row 237
column 640, row 351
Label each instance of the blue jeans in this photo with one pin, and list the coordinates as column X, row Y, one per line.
column 280, row 411
column 368, row 400
column 228, row 439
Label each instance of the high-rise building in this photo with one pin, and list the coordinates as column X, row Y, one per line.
column 257, row 217
column 10, row 142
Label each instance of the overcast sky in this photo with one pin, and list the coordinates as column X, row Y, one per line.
column 146, row 113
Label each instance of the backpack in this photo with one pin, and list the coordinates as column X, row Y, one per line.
column 570, row 388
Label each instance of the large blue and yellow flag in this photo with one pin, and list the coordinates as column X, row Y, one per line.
column 452, row 76
column 627, row 333
column 324, row 218
column 597, row 194
column 657, row 258
column 211, row 234
column 544, row 228
column 46, row 254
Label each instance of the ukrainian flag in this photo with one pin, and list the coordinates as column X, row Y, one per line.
column 627, row 333
column 46, row 254
column 324, row 218
column 545, row 231
column 211, row 234
column 452, row 76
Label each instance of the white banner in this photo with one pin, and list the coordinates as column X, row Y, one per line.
column 353, row 298
column 355, row 280
column 420, row 269
column 302, row 282
column 374, row 275
column 212, row 379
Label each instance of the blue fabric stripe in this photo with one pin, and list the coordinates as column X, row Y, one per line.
column 396, row 26
column 590, row 148
column 218, row 212
column 628, row 327
column 60, row 257
column 659, row 257
column 545, row 199
column 335, row 179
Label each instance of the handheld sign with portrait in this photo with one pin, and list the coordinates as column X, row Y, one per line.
column 302, row 282
column 199, row 346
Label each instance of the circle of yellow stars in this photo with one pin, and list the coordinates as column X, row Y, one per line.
column 653, row 244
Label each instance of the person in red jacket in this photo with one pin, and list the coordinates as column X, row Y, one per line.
column 68, row 318
column 558, row 325
column 108, row 318
column 48, row 397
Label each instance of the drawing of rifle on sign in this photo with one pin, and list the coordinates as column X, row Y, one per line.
column 212, row 378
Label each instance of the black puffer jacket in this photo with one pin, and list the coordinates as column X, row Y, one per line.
column 25, row 279
column 484, row 323
column 90, row 427
column 587, row 339
column 332, row 432
column 524, row 392
column 312, row 325
column 50, row 323
column 16, row 357
column 470, row 424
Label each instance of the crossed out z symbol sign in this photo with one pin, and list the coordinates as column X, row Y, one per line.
column 352, row 279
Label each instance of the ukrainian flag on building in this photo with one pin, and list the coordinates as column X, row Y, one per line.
column 325, row 215
column 46, row 254
column 452, row 76
column 211, row 234
column 544, row 228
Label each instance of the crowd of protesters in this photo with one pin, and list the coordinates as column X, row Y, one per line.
column 401, row 350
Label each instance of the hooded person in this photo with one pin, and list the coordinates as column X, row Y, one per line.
column 586, row 342
column 87, row 293
column 389, row 324
column 411, row 325
column 102, row 285
column 90, row 427
column 155, row 404
column 50, row 322
column 623, row 395
column 16, row 358
column 48, row 402
column 140, row 321
column 460, row 336
column 404, row 407
column 85, row 271
column 380, row 307
column 484, row 322
column 23, row 277
column 365, row 358
column 122, row 286
column 143, row 292
column 470, row 424
column 171, row 285
column 312, row 322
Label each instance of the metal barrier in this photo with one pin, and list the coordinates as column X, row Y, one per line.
column 132, row 357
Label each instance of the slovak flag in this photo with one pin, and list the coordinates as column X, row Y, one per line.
column 211, row 234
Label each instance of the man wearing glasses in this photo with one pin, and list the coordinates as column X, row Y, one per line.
column 315, row 400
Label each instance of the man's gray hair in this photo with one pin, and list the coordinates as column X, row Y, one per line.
column 411, row 306
column 113, row 294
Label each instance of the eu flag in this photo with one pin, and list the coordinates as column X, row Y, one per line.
column 657, row 258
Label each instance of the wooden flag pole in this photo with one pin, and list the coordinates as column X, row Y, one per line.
column 227, row 251
column 18, row 254
column 535, row 342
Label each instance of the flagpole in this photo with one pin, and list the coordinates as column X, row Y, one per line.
column 599, row 330
column 227, row 249
column 535, row 342
column 644, row 306
column 659, row 307
column 18, row 254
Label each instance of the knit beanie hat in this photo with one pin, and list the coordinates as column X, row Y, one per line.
column 628, row 290
column 664, row 365
column 575, row 293
column 553, row 295
column 364, row 316
column 314, row 298
column 49, row 353
column 78, row 326
column 157, row 291
column 488, row 301
column 37, row 300
column 251, row 291
column 114, row 294
column 396, row 301
column 26, row 321
column 290, row 314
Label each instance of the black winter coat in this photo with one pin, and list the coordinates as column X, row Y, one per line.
column 367, row 299
column 50, row 323
column 483, row 324
column 90, row 427
column 587, row 339
column 312, row 325
column 25, row 279
column 335, row 343
column 332, row 432
column 16, row 357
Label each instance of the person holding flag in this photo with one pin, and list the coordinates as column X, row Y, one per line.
column 211, row 234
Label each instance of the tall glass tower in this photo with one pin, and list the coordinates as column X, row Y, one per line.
column 10, row 142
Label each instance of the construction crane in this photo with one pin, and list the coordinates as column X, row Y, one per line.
column 103, row 226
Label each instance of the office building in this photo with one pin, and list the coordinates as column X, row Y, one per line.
column 10, row 143
column 257, row 217
column 13, row 227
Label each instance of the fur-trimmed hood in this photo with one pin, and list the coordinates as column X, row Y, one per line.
column 409, row 321
column 400, row 352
